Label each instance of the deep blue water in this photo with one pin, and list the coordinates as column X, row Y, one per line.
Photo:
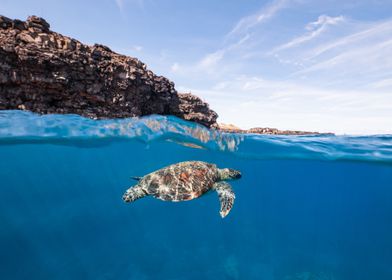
column 310, row 207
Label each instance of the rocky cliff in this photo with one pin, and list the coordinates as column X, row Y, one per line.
column 46, row 72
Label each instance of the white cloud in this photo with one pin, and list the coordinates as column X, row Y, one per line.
column 369, row 59
column 209, row 61
column 212, row 59
column 385, row 83
column 315, row 29
column 354, row 55
column 246, row 23
column 175, row 67
column 137, row 48
column 256, row 101
column 324, row 20
column 241, row 34
column 375, row 30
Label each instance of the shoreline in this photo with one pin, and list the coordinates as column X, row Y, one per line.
column 230, row 128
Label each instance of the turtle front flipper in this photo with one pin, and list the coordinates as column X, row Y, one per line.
column 134, row 193
column 226, row 197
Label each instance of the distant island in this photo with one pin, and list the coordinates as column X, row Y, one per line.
column 48, row 73
column 230, row 128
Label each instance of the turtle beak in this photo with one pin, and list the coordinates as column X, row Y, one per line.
column 236, row 174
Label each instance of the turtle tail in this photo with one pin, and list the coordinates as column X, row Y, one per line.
column 136, row 178
column 134, row 193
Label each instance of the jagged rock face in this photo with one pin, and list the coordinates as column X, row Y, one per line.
column 46, row 72
column 194, row 108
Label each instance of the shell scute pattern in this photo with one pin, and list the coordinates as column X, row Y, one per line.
column 185, row 181
column 181, row 181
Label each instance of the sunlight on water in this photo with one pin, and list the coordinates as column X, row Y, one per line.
column 25, row 127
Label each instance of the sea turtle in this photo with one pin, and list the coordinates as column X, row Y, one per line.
column 185, row 181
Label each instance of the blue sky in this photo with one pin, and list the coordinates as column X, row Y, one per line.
column 291, row 64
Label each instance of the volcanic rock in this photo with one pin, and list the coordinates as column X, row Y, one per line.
column 45, row 72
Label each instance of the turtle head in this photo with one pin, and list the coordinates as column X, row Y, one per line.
column 229, row 174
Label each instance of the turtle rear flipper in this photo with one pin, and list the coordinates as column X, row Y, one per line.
column 226, row 197
column 134, row 193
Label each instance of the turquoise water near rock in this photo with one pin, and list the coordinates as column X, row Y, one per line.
column 307, row 207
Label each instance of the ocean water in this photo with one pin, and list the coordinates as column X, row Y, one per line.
column 307, row 207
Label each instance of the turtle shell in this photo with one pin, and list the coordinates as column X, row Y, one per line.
column 181, row 181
